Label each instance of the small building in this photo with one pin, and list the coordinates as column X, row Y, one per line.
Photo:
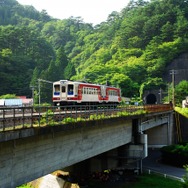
column 19, row 102
column 13, row 102
column 27, row 102
column 2, row 102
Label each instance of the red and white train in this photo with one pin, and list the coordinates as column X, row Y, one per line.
column 67, row 92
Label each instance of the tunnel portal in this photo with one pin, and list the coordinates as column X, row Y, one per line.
column 151, row 99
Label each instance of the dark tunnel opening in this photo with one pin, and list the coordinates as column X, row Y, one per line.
column 151, row 99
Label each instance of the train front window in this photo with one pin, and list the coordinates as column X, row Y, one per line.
column 56, row 89
column 70, row 89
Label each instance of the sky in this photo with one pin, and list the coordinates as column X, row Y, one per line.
column 91, row 11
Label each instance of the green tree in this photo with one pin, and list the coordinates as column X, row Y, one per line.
column 128, row 87
column 181, row 26
column 61, row 63
column 181, row 92
column 8, row 96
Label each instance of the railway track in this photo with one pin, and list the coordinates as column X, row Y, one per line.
column 26, row 117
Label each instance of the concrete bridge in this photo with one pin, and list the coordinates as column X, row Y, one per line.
column 27, row 154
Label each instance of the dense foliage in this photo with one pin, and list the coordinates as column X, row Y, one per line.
column 130, row 49
column 176, row 154
column 182, row 111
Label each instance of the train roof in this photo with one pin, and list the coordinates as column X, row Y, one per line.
column 84, row 82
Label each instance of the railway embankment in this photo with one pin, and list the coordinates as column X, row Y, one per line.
column 181, row 124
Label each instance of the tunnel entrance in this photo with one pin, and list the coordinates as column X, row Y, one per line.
column 151, row 99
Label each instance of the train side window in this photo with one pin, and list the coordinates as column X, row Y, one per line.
column 95, row 91
column 90, row 91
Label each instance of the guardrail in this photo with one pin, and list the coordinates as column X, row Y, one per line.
column 157, row 108
column 150, row 171
column 26, row 117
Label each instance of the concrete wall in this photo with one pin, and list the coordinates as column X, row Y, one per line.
column 157, row 136
column 180, row 65
column 160, row 130
column 181, row 128
column 23, row 160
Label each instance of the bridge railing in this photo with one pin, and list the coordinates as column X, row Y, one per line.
column 26, row 117
column 158, row 108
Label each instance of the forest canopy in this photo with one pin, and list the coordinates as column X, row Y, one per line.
column 130, row 49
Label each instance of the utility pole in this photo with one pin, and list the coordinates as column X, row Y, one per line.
column 160, row 95
column 33, row 89
column 39, row 90
column 173, row 72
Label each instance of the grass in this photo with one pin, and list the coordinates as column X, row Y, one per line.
column 24, row 186
column 156, row 181
column 182, row 111
column 143, row 181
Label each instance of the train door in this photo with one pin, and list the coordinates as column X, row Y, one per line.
column 63, row 92
column 103, row 93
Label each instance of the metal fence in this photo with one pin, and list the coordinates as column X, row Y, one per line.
column 26, row 117
column 150, row 171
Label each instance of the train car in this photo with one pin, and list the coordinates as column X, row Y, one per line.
column 67, row 92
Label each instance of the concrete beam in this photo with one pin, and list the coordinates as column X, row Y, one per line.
column 26, row 159
column 153, row 122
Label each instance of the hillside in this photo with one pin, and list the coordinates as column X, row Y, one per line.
column 130, row 50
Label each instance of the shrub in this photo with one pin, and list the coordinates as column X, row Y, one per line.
column 176, row 154
column 185, row 177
